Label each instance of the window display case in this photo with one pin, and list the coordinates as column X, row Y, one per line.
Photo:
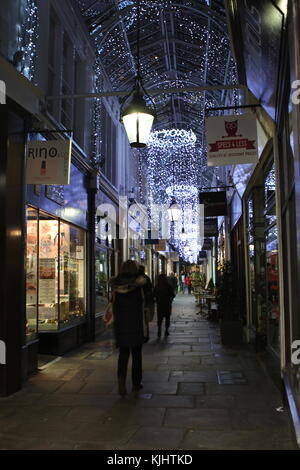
column 55, row 278
column 31, row 328
column 48, row 272
column 272, row 274
column 101, row 272
column 71, row 274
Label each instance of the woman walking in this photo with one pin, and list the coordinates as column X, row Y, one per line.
column 164, row 295
column 188, row 283
column 129, row 323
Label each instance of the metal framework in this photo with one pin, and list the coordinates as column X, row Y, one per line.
column 186, row 60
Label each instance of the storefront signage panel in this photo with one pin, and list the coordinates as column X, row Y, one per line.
column 74, row 207
column 231, row 140
column 261, row 23
column 211, row 227
column 48, row 162
column 215, row 203
column 207, row 245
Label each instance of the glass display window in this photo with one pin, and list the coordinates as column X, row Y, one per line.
column 272, row 274
column 31, row 274
column 273, row 289
column 102, row 276
column 270, row 188
column 48, row 272
column 71, row 274
column 55, row 273
column 250, row 208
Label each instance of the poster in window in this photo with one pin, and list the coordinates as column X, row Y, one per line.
column 47, row 291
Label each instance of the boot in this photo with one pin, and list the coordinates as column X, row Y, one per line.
column 136, row 388
column 122, row 387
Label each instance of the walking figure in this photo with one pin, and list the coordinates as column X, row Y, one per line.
column 164, row 295
column 129, row 323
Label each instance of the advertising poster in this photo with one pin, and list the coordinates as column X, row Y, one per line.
column 47, row 289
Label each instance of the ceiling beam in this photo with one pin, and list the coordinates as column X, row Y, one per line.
column 157, row 91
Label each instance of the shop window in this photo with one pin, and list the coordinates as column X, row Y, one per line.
column 48, row 273
column 31, row 274
column 270, row 188
column 71, row 273
column 273, row 288
column 272, row 275
column 251, row 252
column 101, row 271
column 55, row 276
column 250, row 220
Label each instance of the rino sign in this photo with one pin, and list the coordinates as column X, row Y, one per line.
column 2, row 353
column 48, row 162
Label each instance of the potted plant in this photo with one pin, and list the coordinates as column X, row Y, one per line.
column 229, row 306
column 210, row 287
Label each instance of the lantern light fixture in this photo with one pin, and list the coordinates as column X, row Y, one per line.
column 136, row 115
column 174, row 211
column 183, row 235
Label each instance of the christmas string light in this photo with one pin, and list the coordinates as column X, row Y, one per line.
column 203, row 57
column 173, row 170
column 28, row 38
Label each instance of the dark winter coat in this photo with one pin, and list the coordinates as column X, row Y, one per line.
column 128, row 308
column 164, row 297
column 172, row 280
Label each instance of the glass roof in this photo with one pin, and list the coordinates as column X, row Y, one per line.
column 183, row 43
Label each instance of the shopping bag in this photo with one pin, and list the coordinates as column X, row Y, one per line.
column 109, row 315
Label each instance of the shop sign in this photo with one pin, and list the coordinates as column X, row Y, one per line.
column 162, row 246
column 48, row 162
column 151, row 241
column 262, row 24
column 207, row 245
column 210, row 227
column 231, row 140
column 215, row 203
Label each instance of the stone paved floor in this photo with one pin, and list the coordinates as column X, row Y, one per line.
column 73, row 404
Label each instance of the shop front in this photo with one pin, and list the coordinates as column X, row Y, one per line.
column 55, row 282
column 56, row 265
column 262, row 257
column 108, row 253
